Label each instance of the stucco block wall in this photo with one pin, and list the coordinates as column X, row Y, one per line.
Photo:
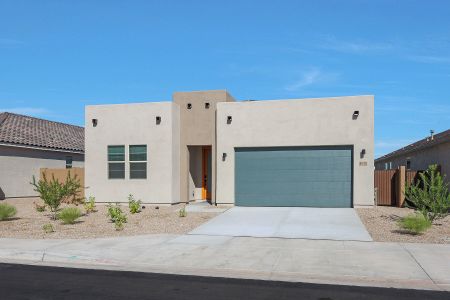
column 133, row 124
column 420, row 160
column 18, row 165
column 298, row 122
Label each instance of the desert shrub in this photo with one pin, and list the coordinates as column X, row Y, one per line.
column 430, row 195
column 69, row 215
column 120, row 220
column 48, row 228
column 133, row 204
column 116, row 216
column 182, row 212
column 89, row 205
column 53, row 192
column 39, row 207
column 7, row 211
column 415, row 223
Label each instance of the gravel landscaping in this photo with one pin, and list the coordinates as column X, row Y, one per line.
column 28, row 222
column 381, row 222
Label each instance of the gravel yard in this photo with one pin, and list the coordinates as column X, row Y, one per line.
column 28, row 222
column 381, row 222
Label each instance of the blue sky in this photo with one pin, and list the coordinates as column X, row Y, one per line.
column 58, row 56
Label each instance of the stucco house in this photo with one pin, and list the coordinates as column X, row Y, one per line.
column 433, row 149
column 205, row 145
column 28, row 144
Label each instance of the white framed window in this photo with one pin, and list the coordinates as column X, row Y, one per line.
column 138, row 161
column 116, row 162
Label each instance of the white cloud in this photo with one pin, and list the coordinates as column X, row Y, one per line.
column 307, row 78
column 354, row 46
column 311, row 77
column 382, row 144
column 34, row 111
column 383, row 147
column 430, row 59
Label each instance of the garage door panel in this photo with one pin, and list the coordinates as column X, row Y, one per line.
column 294, row 163
column 293, row 177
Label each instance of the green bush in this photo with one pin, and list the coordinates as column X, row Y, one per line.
column 89, row 205
column 430, row 195
column 133, row 204
column 54, row 192
column 7, row 211
column 120, row 220
column 182, row 213
column 69, row 215
column 415, row 223
column 48, row 228
column 116, row 216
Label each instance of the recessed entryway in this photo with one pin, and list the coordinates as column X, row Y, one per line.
column 200, row 172
column 341, row 224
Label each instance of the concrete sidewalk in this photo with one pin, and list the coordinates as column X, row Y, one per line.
column 413, row 266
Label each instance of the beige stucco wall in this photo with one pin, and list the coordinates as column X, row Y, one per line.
column 297, row 122
column 197, row 128
column 132, row 124
column 420, row 160
column 19, row 164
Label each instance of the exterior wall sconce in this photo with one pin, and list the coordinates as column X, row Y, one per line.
column 189, row 106
column 363, row 153
column 224, row 156
column 207, row 105
column 94, row 122
column 355, row 114
column 229, row 119
column 158, row 120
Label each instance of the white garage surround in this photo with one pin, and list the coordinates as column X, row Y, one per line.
column 342, row 224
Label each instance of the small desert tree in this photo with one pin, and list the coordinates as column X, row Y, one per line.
column 430, row 195
column 53, row 192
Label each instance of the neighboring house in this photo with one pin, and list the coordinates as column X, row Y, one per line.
column 28, row 144
column 434, row 149
column 205, row 145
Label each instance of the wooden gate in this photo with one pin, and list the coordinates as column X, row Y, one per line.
column 390, row 185
column 412, row 176
column 385, row 185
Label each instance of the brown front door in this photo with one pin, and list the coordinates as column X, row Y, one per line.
column 206, row 173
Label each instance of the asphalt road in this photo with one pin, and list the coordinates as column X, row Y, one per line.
column 38, row 282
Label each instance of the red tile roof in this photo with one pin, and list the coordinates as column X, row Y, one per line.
column 30, row 131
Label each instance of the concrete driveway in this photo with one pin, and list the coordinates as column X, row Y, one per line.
column 342, row 224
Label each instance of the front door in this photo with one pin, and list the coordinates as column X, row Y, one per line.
column 206, row 173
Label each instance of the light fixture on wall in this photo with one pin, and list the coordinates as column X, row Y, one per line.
column 189, row 106
column 363, row 153
column 229, row 119
column 355, row 114
column 224, row 156
column 158, row 120
column 94, row 122
column 207, row 105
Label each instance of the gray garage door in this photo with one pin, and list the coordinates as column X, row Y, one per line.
column 294, row 176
